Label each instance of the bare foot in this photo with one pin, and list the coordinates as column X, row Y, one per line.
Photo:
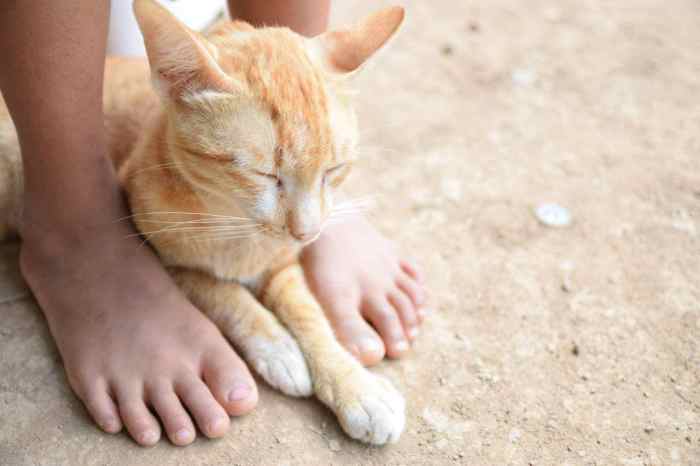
column 373, row 298
column 130, row 340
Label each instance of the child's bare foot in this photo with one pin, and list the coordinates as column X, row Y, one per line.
column 130, row 340
column 359, row 277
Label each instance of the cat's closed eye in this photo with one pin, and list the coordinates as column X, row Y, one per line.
column 331, row 171
column 271, row 176
column 336, row 174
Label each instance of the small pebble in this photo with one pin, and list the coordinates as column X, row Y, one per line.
column 566, row 285
column 575, row 350
column 553, row 215
column 514, row 436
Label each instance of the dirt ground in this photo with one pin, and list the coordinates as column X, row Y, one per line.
column 547, row 346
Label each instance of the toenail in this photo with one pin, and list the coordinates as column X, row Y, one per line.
column 413, row 332
column 148, row 437
column 110, row 425
column 401, row 346
column 217, row 426
column 183, row 435
column 239, row 392
column 370, row 345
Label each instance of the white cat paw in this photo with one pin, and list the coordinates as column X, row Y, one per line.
column 374, row 412
column 281, row 364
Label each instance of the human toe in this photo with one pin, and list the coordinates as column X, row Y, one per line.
column 209, row 415
column 101, row 407
column 230, row 382
column 139, row 421
column 384, row 317
column 177, row 423
column 407, row 312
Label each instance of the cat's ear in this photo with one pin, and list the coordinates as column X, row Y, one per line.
column 181, row 60
column 344, row 51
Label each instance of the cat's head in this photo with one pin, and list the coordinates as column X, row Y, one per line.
column 262, row 117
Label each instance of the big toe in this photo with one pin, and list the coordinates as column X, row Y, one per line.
column 230, row 382
column 356, row 335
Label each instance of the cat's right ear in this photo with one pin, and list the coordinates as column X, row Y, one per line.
column 181, row 60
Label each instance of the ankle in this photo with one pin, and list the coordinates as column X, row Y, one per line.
column 71, row 209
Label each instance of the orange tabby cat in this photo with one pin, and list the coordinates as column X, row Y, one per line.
column 230, row 168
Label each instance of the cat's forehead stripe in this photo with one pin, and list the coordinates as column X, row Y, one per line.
column 276, row 69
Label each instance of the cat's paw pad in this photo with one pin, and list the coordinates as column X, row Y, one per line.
column 375, row 413
column 282, row 365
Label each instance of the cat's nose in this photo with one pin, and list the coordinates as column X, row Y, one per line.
column 306, row 236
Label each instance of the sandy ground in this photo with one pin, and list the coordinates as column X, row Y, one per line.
column 575, row 345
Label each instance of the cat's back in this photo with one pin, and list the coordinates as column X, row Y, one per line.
column 10, row 173
column 129, row 104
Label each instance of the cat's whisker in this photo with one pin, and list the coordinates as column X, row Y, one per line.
column 354, row 205
column 140, row 171
column 204, row 237
column 359, row 213
column 168, row 213
column 355, row 201
column 193, row 222
column 347, row 214
column 223, row 236
column 176, row 212
column 370, row 151
column 351, row 207
column 174, row 229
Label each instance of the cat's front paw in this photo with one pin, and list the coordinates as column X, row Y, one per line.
column 281, row 364
column 371, row 410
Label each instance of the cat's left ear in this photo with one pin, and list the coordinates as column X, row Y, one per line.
column 344, row 51
column 181, row 60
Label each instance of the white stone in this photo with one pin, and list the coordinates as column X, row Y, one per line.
column 553, row 215
column 514, row 436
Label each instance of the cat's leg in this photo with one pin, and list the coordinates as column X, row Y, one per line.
column 368, row 407
column 263, row 341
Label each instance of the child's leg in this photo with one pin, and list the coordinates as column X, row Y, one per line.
column 375, row 283
column 307, row 17
column 128, row 337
